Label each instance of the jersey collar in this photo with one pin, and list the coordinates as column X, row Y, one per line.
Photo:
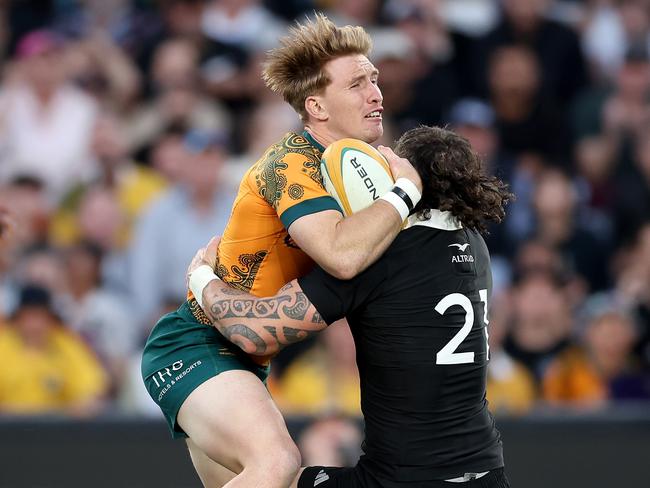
column 438, row 220
column 313, row 141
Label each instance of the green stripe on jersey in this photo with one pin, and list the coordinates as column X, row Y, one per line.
column 307, row 207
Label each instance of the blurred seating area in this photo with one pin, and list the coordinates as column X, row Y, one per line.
column 125, row 126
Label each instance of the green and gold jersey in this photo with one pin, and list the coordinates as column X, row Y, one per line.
column 256, row 253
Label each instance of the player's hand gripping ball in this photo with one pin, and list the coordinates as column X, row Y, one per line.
column 355, row 174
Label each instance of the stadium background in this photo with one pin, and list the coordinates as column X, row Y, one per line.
column 124, row 129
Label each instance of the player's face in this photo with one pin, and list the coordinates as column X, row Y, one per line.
column 353, row 100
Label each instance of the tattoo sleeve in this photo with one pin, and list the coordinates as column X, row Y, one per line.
column 262, row 326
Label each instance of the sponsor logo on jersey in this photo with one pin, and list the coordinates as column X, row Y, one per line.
column 461, row 247
column 461, row 258
column 320, row 477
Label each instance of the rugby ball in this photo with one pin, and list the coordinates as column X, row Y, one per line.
column 355, row 174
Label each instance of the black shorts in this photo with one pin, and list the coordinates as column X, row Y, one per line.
column 324, row 477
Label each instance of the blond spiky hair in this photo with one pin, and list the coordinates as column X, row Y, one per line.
column 295, row 69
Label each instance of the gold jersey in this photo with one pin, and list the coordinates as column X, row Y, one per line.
column 256, row 253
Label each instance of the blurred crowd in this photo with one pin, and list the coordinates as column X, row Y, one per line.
column 125, row 126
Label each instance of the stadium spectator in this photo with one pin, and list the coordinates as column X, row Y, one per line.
column 331, row 440
column 596, row 165
column 182, row 19
column 610, row 29
column 528, row 123
column 99, row 315
column 633, row 289
column 46, row 120
column 627, row 111
column 474, row 120
column 134, row 185
column 365, row 13
column 240, row 30
column 7, row 226
column 167, row 156
column 101, row 222
column 25, row 199
column 601, row 368
column 127, row 24
column 603, row 40
column 57, row 374
column 42, row 265
column 245, row 23
column 511, row 388
column 418, row 77
column 7, row 250
column 170, row 230
column 418, row 87
column 619, row 110
column 560, row 223
column 102, row 69
column 178, row 99
column 631, row 207
column 541, row 322
column 323, row 379
column 537, row 257
column 553, row 45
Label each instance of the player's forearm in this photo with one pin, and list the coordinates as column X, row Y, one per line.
column 261, row 326
column 360, row 239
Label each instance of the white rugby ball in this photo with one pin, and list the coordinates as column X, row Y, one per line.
column 355, row 174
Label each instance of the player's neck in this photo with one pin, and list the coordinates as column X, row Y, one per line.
column 323, row 137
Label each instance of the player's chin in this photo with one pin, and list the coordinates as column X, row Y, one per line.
column 372, row 132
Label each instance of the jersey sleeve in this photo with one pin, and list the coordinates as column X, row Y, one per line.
column 334, row 298
column 292, row 184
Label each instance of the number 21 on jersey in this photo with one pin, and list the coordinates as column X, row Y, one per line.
column 448, row 354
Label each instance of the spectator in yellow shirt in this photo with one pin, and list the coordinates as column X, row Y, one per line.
column 511, row 388
column 324, row 379
column 601, row 367
column 46, row 368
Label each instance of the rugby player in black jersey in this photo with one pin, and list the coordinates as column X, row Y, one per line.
column 419, row 318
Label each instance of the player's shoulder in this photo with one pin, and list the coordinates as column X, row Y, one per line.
column 440, row 248
column 291, row 151
column 291, row 159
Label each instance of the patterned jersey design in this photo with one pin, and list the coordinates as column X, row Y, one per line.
column 271, row 180
column 256, row 253
column 242, row 277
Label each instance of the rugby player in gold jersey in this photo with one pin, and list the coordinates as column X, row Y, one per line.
column 282, row 222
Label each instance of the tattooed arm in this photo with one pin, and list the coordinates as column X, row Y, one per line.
column 261, row 326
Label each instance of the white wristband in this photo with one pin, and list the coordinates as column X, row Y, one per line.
column 199, row 279
column 398, row 203
column 410, row 189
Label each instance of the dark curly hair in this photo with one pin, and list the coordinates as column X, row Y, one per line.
column 452, row 177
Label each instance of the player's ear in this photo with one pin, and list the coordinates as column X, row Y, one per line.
column 316, row 108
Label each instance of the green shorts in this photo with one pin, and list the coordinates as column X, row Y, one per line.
column 180, row 354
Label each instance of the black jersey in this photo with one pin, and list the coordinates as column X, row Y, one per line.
column 418, row 317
